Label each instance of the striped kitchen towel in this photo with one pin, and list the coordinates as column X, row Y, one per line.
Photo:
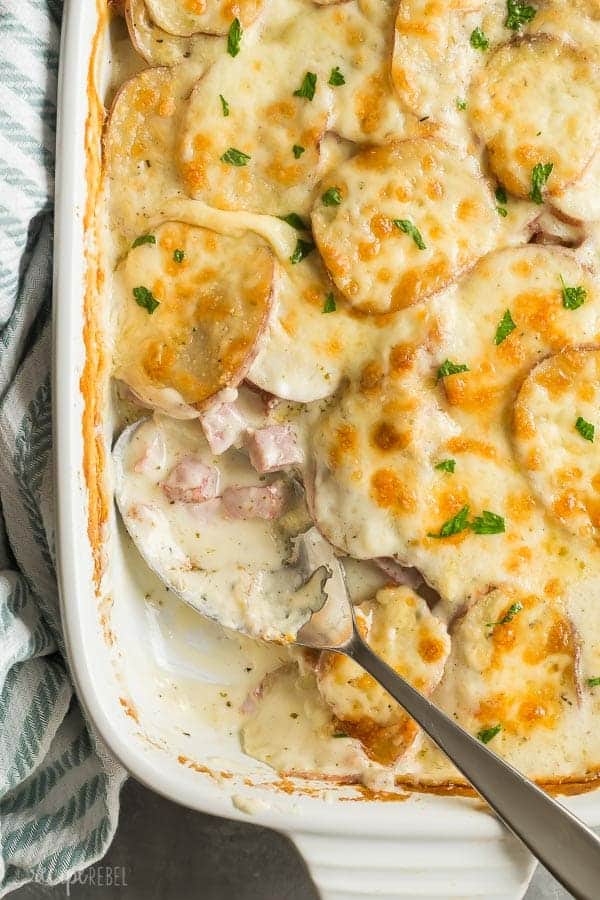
column 59, row 788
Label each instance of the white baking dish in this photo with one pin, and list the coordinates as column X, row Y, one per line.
column 426, row 846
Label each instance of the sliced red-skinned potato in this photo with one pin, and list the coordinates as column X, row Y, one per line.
column 433, row 60
column 312, row 339
column 188, row 17
column 188, row 320
column 537, row 103
column 512, row 679
column 580, row 202
column 230, row 569
column 399, row 627
column 398, row 223
column 245, row 159
column 556, row 428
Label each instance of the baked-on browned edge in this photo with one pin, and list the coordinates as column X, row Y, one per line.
column 93, row 385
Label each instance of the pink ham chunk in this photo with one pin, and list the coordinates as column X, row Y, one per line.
column 274, row 448
column 222, row 423
column 256, row 501
column 191, row 481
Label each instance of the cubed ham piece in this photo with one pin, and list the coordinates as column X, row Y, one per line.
column 222, row 422
column 260, row 501
column 273, row 448
column 191, row 481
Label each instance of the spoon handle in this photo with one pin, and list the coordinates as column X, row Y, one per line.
column 557, row 838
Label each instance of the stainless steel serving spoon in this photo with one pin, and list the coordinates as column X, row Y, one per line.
column 556, row 837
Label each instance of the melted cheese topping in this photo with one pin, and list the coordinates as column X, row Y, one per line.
column 341, row 215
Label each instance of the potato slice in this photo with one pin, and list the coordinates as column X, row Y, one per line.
column 312, row 339
column 512, row 679
column 365, row 217
column 580, row 202
column 537, row 102
column 399, row 627
column 159, row 48
column 190, row 320
column 187, row 17
column 557, row 436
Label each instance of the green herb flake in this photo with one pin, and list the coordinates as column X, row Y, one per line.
column 235, row 157
column 336, row 79
column 585, row 429
column 539, row 177
column 450, row 368
column 340, row 734
column 478, row 40
column 508, row 616
column 593, row 682
column 308, row 87
column 332, row 197
column 455, row 525
column 446, row 465
column 145, row 299
column 295, row 221
column 234, row 37
column 572, row 297
column 330, row 305
column 408, row 228
column 303, row 248
column 487, row 523
column 224, row 105
column 486, row 734
column 505, row 326
column 502, row 211
column 461, row 104
column 178, row 256
column 297, row 150
column 519, row 14
column 501, row 195
column 143, row 239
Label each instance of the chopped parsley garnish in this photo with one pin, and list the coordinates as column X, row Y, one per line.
column 461, row 104
column 303, row 248
column 518, row 14
column 408, row 228
column 332, row 197
column 585, row 429
column 446, row 465
column 339, row 734
column 501, row 195
column 235, row 157
column 508, row 615
column 486, row 734
column 455, row 525
column 502, row 211
column 295, row 221
column 593, row 682
column 234, row 37
column 330, row 304
column 145, row 299
column 336, row 78
column 297, row 150
column 504, row 328
column 572, row 297
column 143, row 239
column 487, row 523
column 450, row 368
column 178, row 256
column 224, row 105
column 539, row 177
column 308, row 87
column 478, row 40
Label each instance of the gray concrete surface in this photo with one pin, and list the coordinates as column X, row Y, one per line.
column 165, row 852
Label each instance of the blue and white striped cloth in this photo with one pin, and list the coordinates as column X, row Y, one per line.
column 59, row 788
